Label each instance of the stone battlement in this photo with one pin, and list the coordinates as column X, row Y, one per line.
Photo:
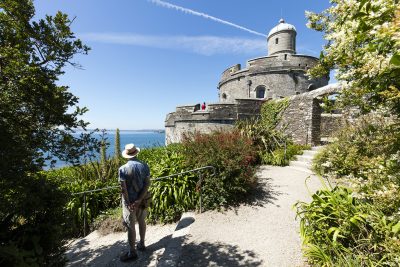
column 218, row 116
column 269, row 64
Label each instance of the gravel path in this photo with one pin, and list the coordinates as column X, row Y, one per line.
column 98, row 250
column 263, row 232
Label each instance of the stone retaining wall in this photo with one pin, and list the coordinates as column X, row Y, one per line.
column 302, row 120
column 330, row 124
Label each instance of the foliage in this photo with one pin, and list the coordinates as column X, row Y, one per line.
column 171, row 196
column 86, row 177
column 282, row 156
column 365, row 157
column 37, row 118
column 230, row 153
column 272, row 111
column 109, row 221
column 363, row 41
column 360, row 227
column 233, row 156
column 271, row 143
column 117, row 147
column 328, row 104
column 32, row 231
column 340, row 230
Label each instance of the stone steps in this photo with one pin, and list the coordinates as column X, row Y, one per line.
column 304, row 162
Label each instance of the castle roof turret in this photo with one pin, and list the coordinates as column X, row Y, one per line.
column 282, row 26
column 282, row 39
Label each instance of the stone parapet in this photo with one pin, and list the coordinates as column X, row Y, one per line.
column 261, row 65
column 217, row 117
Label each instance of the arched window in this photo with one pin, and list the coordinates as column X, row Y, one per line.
column 276, row 40
column 260, row 91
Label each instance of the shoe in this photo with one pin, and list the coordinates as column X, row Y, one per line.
column 128, row 256
column 140, row 246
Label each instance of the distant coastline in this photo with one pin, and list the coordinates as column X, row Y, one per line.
column 146, row 138
column 126, row 130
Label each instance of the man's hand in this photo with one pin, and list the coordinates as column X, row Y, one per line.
column 135, row 205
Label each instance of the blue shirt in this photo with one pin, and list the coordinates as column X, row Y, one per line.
column 134, row 169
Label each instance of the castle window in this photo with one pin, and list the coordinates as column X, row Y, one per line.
column 276, row 40
column 224, row 96
column 285, row 56
column 260, row 92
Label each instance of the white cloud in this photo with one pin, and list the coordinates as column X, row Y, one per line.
column 204, row 45
column 203, row 15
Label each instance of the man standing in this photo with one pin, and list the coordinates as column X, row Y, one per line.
column 134, row 178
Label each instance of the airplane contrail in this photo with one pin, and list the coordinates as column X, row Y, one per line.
column 200, row 14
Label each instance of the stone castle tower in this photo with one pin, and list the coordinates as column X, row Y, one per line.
column 280, row 74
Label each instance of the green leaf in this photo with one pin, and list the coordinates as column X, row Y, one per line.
column 395, row 60
column 396, row 228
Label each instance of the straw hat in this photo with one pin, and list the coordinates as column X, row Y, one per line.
column 130, row 151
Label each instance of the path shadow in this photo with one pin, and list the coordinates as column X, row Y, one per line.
column 108, row 255
column 185, row 222
column 77, row 247
column 263, row 193
column 217, row 254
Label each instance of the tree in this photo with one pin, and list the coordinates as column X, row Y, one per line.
column 117, row 147
column 363, row 45
column 37, row 118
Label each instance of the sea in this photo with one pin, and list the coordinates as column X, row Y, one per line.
column 141, row 139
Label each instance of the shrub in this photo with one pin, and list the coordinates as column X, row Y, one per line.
column 272, row 145
column 232, row 154
column 282, row 156
column 360, row 225
column 234, row 158
column 172, row 196
column 366, row 156
column 93, row 175
column 32, row 232
column 340, row 230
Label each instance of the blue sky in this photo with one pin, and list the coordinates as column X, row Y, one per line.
column 148, row 57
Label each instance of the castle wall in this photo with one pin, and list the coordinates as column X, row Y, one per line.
column 280, row 78
column 217, row 117
column 331, row 124
column 175, row 134
column 302, row 119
